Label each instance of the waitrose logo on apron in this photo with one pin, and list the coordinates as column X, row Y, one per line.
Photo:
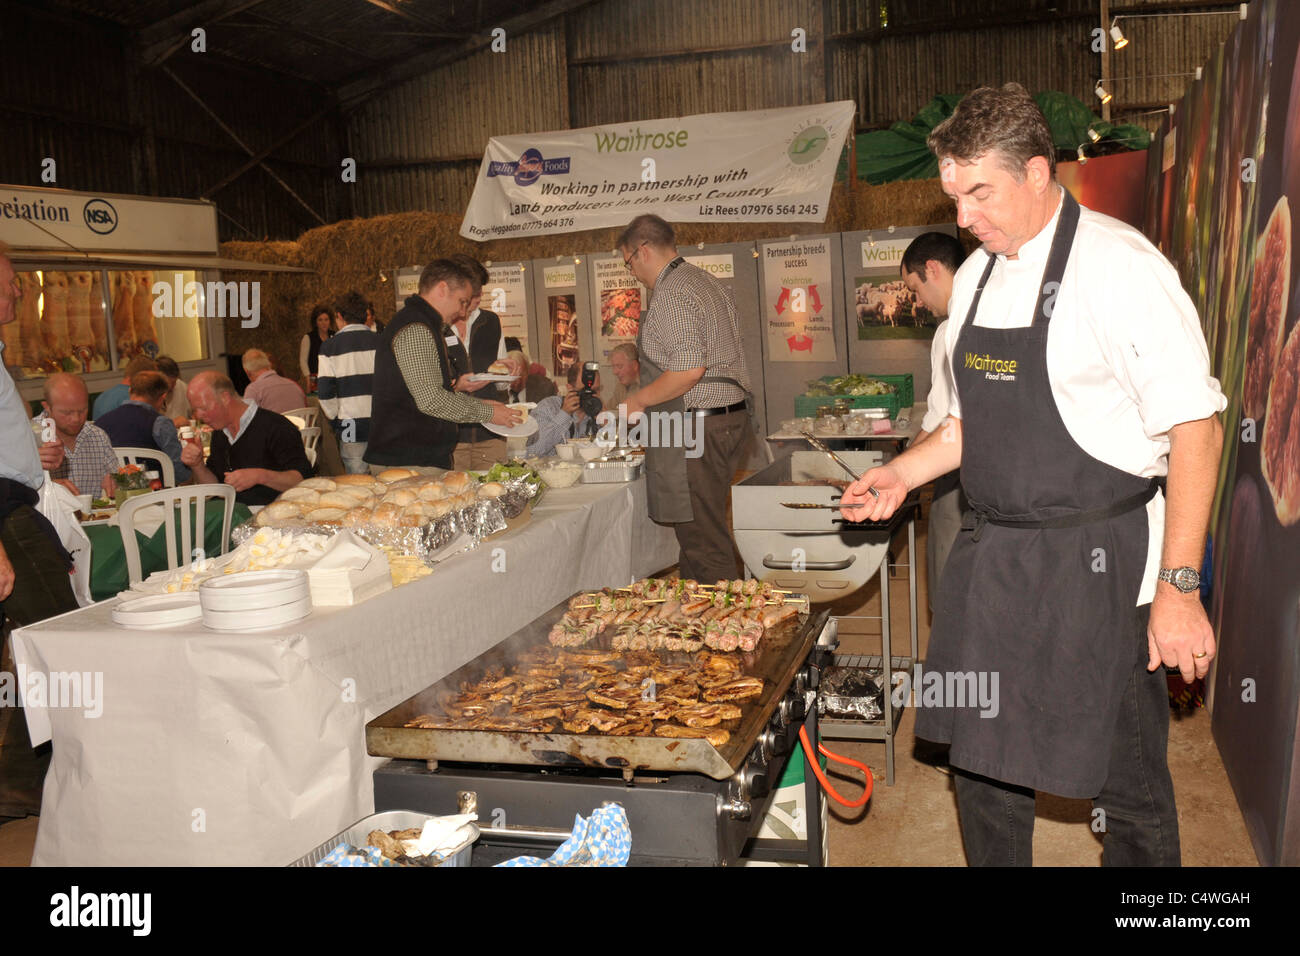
column 994, row 369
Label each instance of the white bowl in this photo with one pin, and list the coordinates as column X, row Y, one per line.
column 590, row 452
column 561, row 475
column 566, row 451
column 85, row 503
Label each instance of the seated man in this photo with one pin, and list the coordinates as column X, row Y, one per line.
column 558, row 419
column 626, row 363
column 269, row 389
column 78, row 455
column 115, row 395
column 257, row 452
column 140, row 423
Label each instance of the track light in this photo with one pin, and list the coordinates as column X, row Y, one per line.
column 1102, row 95
column 1117, row 35
column 1083, row 157
column 1093, row 135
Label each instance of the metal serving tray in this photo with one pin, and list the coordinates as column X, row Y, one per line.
column 780, row 654
column 605, row 472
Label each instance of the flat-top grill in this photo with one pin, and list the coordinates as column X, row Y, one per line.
column 687, row 801
column 779, row 656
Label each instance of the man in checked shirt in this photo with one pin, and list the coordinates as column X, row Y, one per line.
column 692, row 366
column 414, row 411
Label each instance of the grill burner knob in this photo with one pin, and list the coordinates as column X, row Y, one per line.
column 766, row 746
column 757, row 778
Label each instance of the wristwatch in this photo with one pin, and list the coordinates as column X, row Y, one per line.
column 1186, row 580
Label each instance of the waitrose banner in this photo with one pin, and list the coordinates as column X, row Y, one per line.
column 763, row 165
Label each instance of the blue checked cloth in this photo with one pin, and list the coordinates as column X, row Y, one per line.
column 347, row 855
column 603, row 839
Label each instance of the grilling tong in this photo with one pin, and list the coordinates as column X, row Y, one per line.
column 821, row 446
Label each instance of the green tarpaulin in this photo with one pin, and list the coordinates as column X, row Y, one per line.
column 897, row 153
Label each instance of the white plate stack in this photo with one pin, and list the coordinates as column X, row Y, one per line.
column 255, row 600
column 159, row 611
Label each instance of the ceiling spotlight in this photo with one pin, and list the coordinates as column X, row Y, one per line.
column 1117, row 35
column 1102, row 95
column 1093, row 135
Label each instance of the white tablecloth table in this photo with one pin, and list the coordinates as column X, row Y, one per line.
column 225, row 749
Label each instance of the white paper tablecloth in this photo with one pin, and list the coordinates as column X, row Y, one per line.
column 220, row 749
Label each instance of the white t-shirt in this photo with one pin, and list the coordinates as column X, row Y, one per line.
column 940, row 398
column 1126, row 358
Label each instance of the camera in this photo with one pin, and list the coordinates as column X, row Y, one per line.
column 588, row 400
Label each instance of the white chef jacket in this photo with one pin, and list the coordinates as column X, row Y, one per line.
column 1126, row 358
column 939, row 400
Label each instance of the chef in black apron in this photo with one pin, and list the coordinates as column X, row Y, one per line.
column 1039, row 600
column 690, row 322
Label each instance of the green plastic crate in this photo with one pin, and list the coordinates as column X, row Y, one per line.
column 805, row 406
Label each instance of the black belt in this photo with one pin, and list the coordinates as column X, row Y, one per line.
column 976, row 518
column 725, row 410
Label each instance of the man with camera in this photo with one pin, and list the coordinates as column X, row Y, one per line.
column 692, row 366
column 573, row 416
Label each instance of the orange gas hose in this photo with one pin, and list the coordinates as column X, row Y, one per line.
column 821, row 778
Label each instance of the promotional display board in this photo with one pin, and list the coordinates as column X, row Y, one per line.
column 506, row 294
column 782, row 377
column 754, row 166
column 888, row 331
column 620, row 301
column 562, row 334
column 799, row 300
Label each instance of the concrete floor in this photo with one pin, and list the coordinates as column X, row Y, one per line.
column 914, row 822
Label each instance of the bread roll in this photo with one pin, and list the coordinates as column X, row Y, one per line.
column 338, row 499
column 491, row 489
column 432, row 491
column 316, row 484
column 412, row 516
column 304, row 496
column 455, row 482
column 280, row 510
column 438, row 509
column 386, row 516
column 263, row 519
column 397, row 474
column 357, row 518
column 322, row 515
column 356, row 492
column 365, row 480
column 401, row 497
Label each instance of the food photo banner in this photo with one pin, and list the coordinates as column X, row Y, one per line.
column 753, row 166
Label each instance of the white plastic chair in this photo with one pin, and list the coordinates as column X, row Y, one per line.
column 310, row 441
column 133, row 456
column 190, row 537
column 310, row 415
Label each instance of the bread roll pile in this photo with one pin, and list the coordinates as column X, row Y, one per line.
column 396, row 498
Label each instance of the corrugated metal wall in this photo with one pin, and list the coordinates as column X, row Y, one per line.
column 418, row 145
column 69, row 97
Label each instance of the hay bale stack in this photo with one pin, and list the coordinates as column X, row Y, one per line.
column 361, row 254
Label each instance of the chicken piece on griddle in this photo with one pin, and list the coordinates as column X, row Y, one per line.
column 742, row 688
column 717, row 736
column 632, row 728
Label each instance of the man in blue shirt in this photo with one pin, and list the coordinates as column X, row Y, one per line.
column 559, row 419
column 115, row 395
column 140, row 423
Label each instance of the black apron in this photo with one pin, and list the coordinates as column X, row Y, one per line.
column 1042, row 584
column 668, row 490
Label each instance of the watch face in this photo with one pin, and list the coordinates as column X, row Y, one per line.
column 1186, row 579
